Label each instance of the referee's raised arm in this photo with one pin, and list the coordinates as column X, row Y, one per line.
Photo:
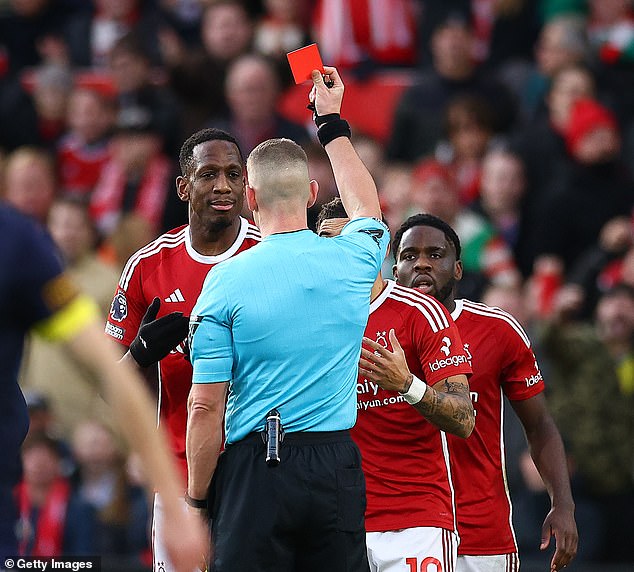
column 356, row 186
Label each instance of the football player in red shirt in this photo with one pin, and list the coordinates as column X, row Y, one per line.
column 427, row 252
column 161, row 282
column 410, row 514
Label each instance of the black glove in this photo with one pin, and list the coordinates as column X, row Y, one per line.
column 156, row 338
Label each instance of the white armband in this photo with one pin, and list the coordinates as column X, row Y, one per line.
column 416, row 391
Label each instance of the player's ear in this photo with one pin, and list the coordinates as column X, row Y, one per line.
column 457, row 270
column 182, row 188
column 314, row 191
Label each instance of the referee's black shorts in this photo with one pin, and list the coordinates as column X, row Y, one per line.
column 304, row 515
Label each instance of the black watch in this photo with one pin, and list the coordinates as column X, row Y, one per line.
column 195, row 503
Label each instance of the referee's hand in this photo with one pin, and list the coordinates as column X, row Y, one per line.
column 157, row 337
column 326, row 100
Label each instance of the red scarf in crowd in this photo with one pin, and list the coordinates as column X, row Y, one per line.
column 49, row 529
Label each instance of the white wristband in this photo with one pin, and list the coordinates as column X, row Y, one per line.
column 416, row 391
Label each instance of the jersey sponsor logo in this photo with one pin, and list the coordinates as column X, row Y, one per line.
column 391, row 400
column 533, row 379
column 176, row 296
column 446, row 346
column 375, row 233
column 446, row 362
column 114, row 331
column 367, row 387
column 119, row 307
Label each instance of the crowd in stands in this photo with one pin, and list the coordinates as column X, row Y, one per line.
column 513, row 122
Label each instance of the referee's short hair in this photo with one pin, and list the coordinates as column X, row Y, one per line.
column 425, row 219
column 278, row 170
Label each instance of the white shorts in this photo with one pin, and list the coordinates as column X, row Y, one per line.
column 421, row 549
column 160, row 560
column 496, row 563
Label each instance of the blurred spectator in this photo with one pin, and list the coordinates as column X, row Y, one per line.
column 417, row 124
column 503, row 188
column 596, row 419
column 604, row 264
column 485, row 255
column 53, row 521
column 83, row 150
column 198, row 77
column 121, row 513
column 596, row 186
column 32, row 30
column 17, row 116
column 611, row 30
column 30, row 183
column 541, row 144
column 469, row 127
column 562, row 43
column 138, row 176
column 366, row 34
column 45, row 364
column 74, row 234
column 132, row 73
column 131, row 233
column 252, row 90
column 91, row 35
column 283, row 28
column 52, row 87
column 320, row 170
column 183, row 17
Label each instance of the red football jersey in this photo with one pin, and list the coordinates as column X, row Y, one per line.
column 503, row 363
column 171, row 269
column 405, row 457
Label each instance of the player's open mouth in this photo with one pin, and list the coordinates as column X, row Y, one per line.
column 423, row 283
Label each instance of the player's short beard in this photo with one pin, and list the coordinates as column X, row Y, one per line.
column 219, row 224
column 445, row 292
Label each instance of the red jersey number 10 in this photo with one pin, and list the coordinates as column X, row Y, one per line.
column 424, row 565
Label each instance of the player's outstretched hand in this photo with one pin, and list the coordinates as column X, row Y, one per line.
column 560, row 523
column 326, row 100
column 387, row 368
column 157, row 337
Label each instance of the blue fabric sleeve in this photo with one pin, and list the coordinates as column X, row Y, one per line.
column 210, row 336
column 369, row 236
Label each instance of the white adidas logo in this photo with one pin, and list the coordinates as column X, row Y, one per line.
column 176, row 296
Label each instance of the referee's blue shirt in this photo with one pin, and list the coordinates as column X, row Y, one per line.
column 283, row 322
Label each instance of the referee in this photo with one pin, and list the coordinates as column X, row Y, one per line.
column 280, row 326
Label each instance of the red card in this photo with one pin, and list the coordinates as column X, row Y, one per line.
column 304, row 61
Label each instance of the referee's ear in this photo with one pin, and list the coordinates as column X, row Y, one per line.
column 313, row 192
column 252, row 203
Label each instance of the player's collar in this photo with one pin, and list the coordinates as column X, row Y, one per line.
column 237, row 243
column 457, row 310
column 389, row 285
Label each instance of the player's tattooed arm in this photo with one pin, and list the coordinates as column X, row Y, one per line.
column 447, row 405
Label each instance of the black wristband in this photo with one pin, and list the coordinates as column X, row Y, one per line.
column 196, row 503
column 333, row 130
column 321, row 119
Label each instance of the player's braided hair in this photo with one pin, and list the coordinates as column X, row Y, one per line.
column 426, row 220
column 186, row 156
